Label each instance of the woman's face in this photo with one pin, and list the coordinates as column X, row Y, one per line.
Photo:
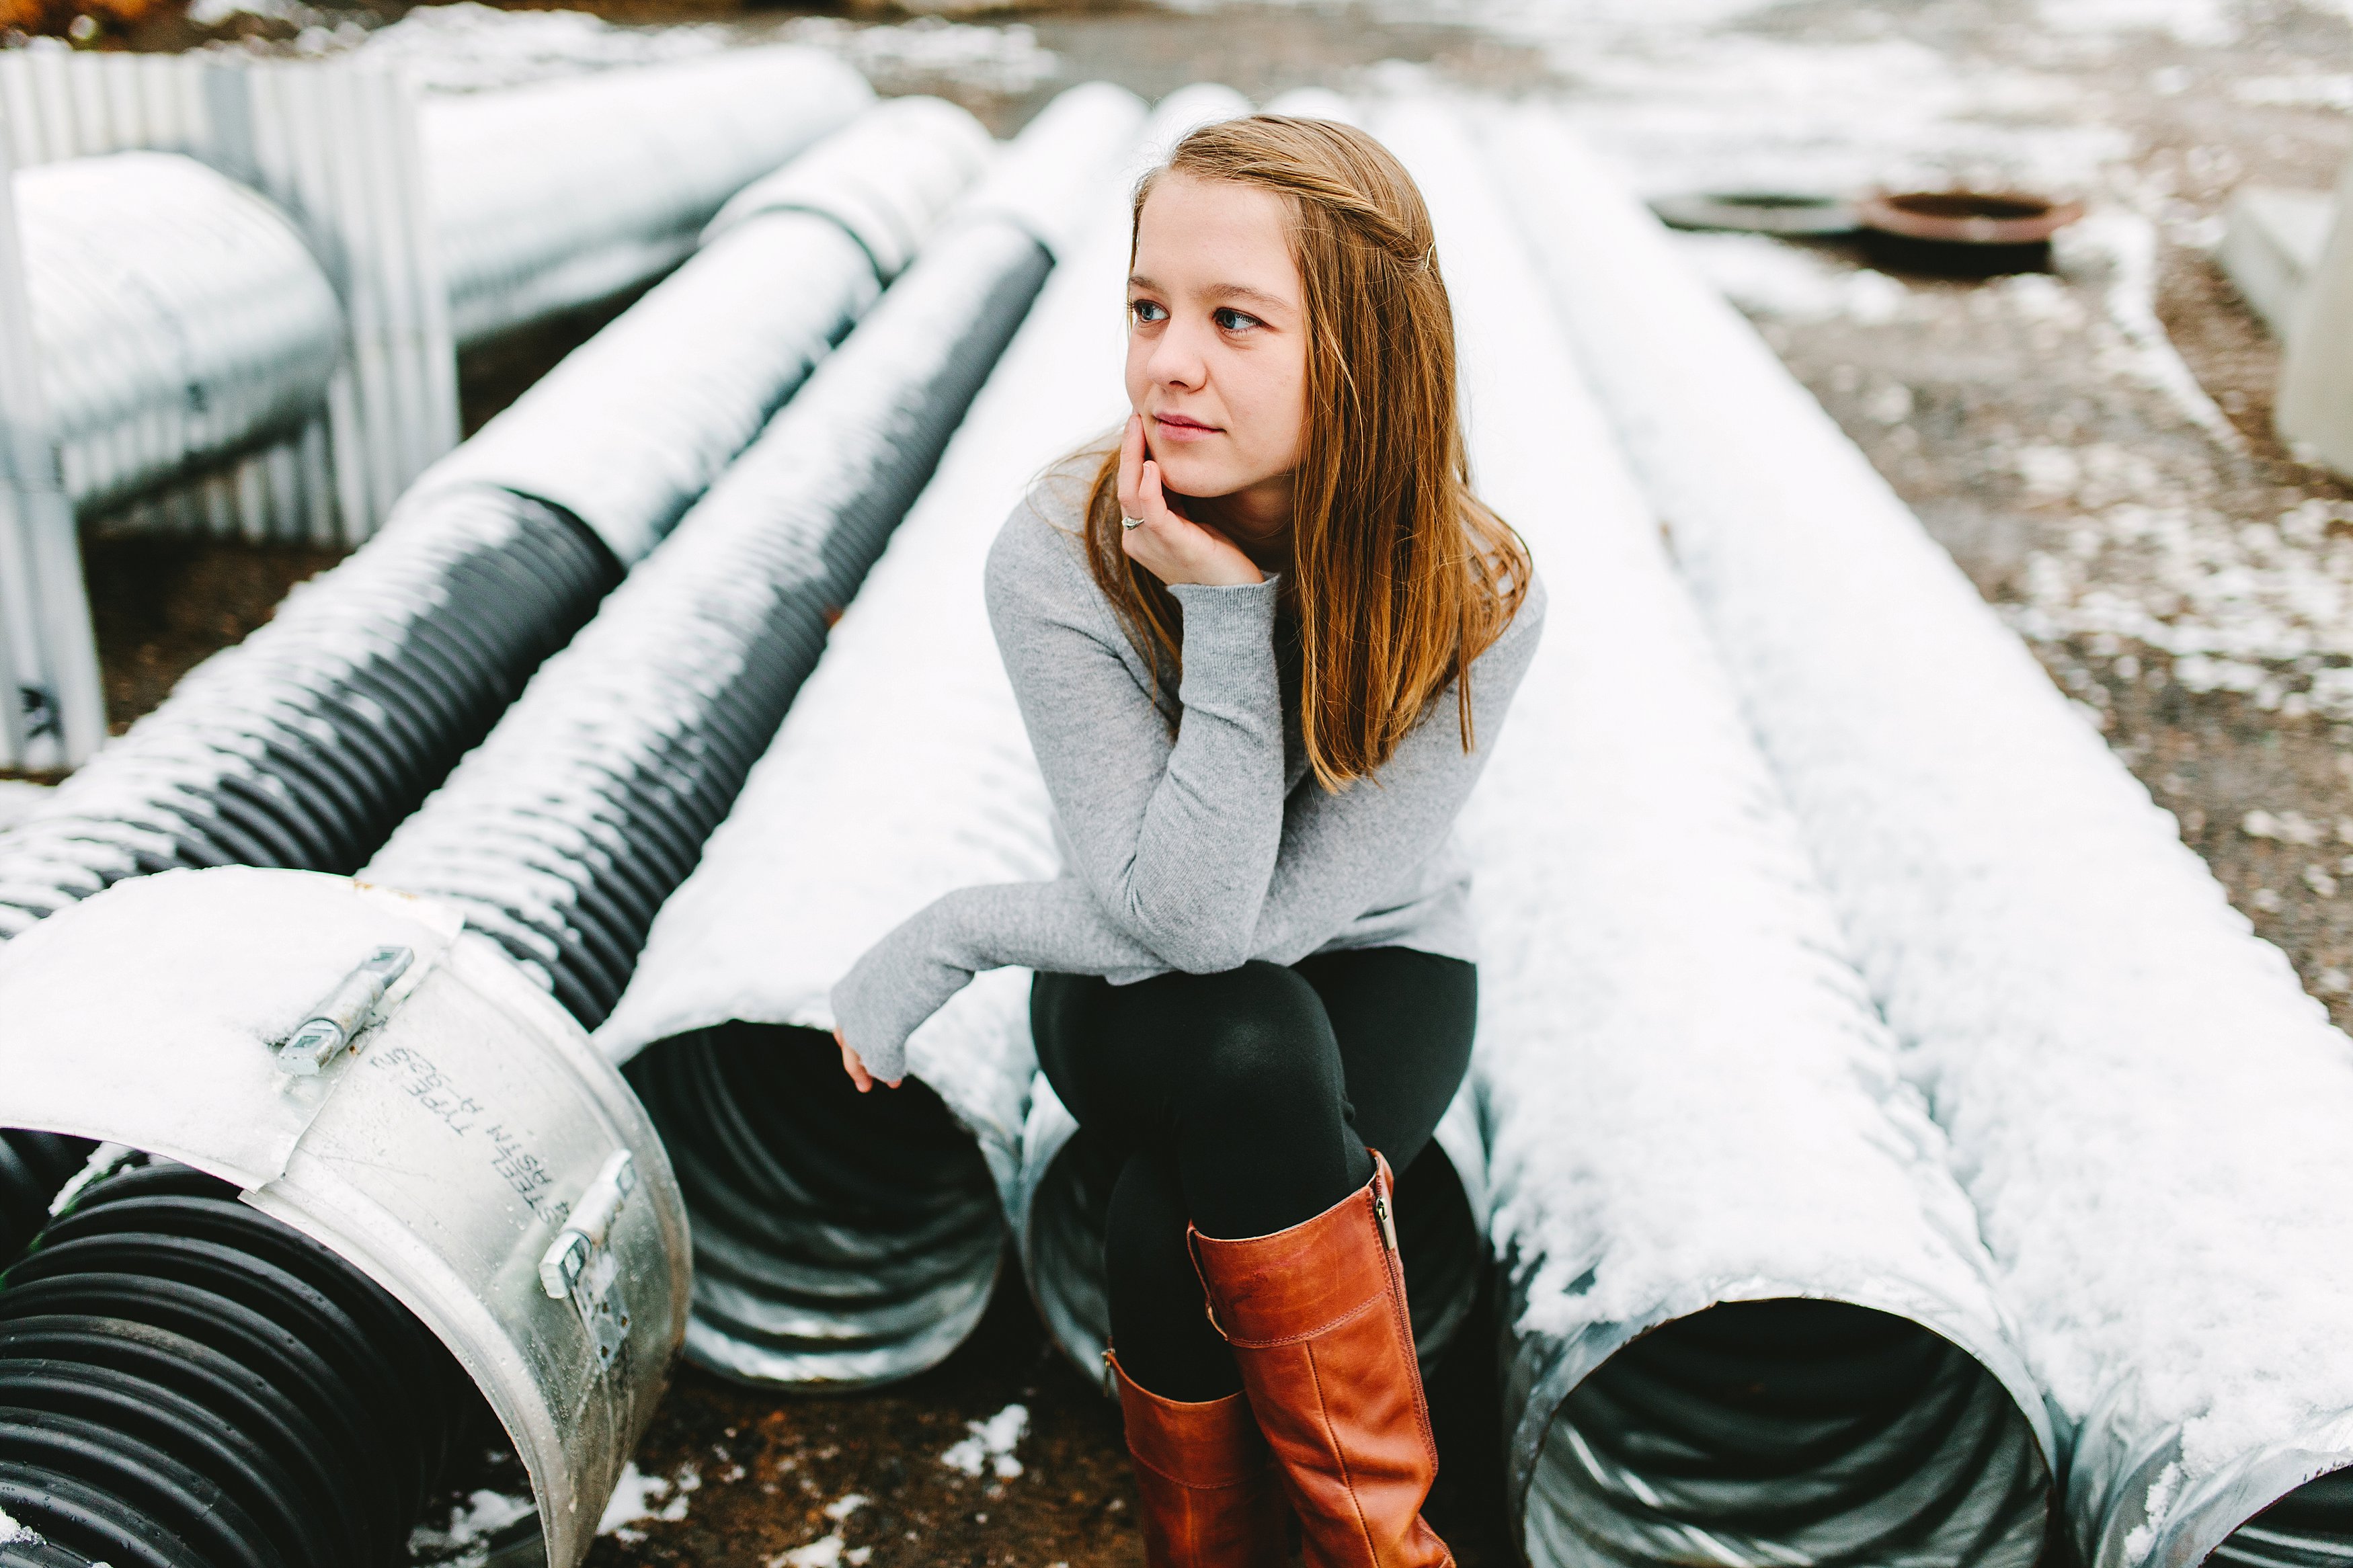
column 1217, row 346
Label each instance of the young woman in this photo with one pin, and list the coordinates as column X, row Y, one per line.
column 1262, row 642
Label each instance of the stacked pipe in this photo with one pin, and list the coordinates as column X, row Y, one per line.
column 187, row 1382
column 1748, row 1319
column 561, row 193
column 563, row 834
column 869, row 1250
column 178, row 316
column 121, row 1487
column 306, row 744
column 2146, row 1110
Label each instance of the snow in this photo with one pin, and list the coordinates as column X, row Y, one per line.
column 15, row 1534
column 464, row 1538
column 469, row 48
column 826, row 1551
column 19, row 800
column 638, row 1497
column 2144, row 1106
column 988, row 1447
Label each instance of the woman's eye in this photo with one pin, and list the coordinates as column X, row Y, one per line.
column 1147, row 311
column 1230, row 319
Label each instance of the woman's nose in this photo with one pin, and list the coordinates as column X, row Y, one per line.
column 1177, row 360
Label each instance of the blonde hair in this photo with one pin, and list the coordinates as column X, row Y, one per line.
column 1400, row 577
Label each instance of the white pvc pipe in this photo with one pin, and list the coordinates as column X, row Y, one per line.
column 2146, row 1110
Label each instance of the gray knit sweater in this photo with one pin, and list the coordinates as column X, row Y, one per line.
column 1195, row 851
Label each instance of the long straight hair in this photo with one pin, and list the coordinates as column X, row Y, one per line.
column 1401, row 576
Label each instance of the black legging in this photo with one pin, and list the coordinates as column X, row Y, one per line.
column 1243, row 1101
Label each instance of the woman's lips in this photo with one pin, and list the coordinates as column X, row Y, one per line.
column 1176, row 427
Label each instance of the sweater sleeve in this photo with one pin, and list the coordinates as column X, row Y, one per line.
column 1175, row 837
column 1343, row 854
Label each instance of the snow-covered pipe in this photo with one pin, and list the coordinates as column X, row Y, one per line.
column 1747, row 1321
column 561, row 193
column 2146, row 1110
column 862, row 1240
column 178, row 316
column 564, row 832
column 260, row 1346
column 637, row 422
column 307, row 743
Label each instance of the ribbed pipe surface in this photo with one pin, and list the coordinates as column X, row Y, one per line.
column 178, row 317
column 186, row 1383
column 1787, row 1431
column 304, row 745
column 561, row 193
column 34, row 1166
column 590, row 801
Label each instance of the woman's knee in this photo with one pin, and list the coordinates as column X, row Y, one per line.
column 1260, row 1033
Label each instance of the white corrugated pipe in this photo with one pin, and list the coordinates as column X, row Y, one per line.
column 177, row 316
column 561, row 193
column 901, row 772
column 2145, row 1107
column 1748, row 1318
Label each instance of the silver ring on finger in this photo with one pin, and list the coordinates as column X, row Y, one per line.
column 1131, row 523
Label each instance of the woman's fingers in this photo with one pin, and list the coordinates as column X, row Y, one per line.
column 855, row 1066
column 1131, row 467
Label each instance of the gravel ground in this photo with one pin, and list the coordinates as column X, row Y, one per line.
column 2093, row 445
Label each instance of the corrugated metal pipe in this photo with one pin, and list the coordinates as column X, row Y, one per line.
column 845, row 1239
column 306, row 744
column 564, row 832
column 562, row 193
column 33, row 1167
column 364, row 1186
column 2145, row 1109
column 178, row 317
column 1748, row 1320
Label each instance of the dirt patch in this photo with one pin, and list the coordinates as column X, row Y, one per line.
column 162, row 606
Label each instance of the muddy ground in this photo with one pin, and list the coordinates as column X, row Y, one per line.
column 2179, row 573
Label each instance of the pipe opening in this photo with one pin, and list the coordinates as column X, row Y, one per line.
column 188, row 1383
column 840, row 1239
column 2312, row 1526
column 1787, row 1431
column 1438, row 1241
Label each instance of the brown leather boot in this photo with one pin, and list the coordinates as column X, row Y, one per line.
column 1211, row 1495
column 1317, row 1321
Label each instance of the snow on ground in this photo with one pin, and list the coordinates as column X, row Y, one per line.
column 990, row 1445
column 464, row 1536
column 638, row 1497
column 470, row 48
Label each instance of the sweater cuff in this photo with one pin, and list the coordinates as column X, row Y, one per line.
column 889, row 993
column 1226, row 628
